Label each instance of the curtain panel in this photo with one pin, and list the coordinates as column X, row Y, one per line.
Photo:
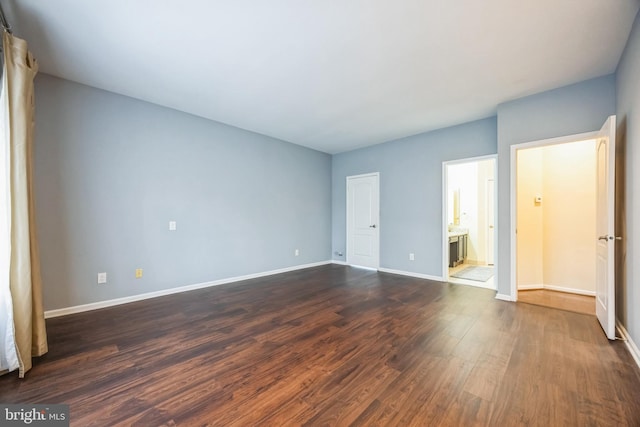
column 25, row 285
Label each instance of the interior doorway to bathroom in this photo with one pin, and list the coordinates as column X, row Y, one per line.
column 469, row 232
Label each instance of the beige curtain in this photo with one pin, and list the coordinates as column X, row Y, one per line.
column 25, row 283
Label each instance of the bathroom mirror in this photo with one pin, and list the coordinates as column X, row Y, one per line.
column 456, row 206
column 453, row 213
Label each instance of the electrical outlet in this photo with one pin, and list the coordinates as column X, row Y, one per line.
column 412, row 257
column 297, row 252
column 138, row 273
column 172, row 226
column 102, row 278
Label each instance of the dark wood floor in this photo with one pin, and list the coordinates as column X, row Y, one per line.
column 561, row 300
column 333, row 345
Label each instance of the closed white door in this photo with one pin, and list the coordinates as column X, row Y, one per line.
column 605, row 233
column 363, row 228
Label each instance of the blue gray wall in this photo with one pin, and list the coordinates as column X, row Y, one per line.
column 410, row 191
column 111, row 172
column 578, row 108
column 628, row 223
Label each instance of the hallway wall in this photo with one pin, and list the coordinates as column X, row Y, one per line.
column 410, row 192
column 628, row 186
column 578, row 108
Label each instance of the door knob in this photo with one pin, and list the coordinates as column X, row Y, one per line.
column 372, row 226
column 610, row 238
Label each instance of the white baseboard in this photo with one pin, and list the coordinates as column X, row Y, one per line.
column 364, row 267
column 631, row 346
column 557, row 288
column 118, row 301
column 570, row 290
column 335, row 261
column 504, row 297
column 411, row 274
column 530, row 287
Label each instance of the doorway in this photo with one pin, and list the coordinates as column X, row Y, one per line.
column 555, row 223
column 603, row 227
column 469, row 222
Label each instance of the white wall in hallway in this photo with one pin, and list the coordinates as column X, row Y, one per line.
column 529, row 225
column 570, row 215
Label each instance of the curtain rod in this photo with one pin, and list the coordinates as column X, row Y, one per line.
column 3, row 21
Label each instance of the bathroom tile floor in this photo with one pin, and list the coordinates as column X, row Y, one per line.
column 489, row 284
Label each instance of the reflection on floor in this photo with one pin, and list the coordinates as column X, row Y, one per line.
column 571, row 302
column 489, row 284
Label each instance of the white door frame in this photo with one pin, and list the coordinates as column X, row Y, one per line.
column 445, row 208
column 364, row 175
column 513, row 194
column 491, row 189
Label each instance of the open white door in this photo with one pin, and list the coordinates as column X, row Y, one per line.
column 363, row 229
column 605, row 215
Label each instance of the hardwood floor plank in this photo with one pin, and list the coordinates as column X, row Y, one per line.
column 430, row 407
column 562, row 300
column 485, row 377
column 467, row 410
column 332, row 345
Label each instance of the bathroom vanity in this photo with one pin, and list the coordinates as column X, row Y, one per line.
column 457, row 247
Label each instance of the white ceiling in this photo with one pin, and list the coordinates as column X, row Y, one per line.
column 332, row 75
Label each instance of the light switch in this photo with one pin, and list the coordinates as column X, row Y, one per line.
column 172, row 226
